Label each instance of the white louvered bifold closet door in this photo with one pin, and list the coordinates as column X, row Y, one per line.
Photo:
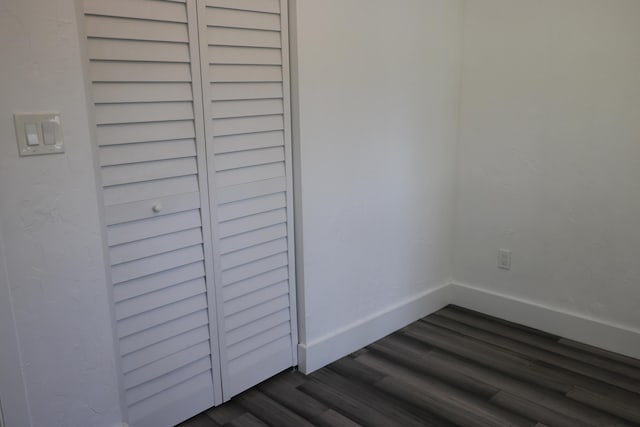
column 192, row 126
column 244, row 51
column 145, row 75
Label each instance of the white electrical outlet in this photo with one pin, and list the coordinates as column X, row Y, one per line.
column 504, row 259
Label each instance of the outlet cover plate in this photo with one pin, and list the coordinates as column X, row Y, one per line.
column 504, row 259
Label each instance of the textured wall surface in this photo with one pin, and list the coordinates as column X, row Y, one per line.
column 378, row 94
column 549, row 154
column 55, row 275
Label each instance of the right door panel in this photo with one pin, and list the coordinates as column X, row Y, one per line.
column 245, row 73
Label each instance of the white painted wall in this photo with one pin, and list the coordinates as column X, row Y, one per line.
column 375, row 152
column 549, row 156
column 50, row 233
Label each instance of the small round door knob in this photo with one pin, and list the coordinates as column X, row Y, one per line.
column 156, row 207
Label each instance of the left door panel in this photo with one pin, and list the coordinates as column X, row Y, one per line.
column 149, row 134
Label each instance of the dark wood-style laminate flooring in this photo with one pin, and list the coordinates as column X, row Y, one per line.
column 454, row 367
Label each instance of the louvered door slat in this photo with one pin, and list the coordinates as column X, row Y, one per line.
column 168, row 11
column 271, row 321
column 145, row 132
column 148, row 171
column 239, row 91
column 147, row 228
column 104, row 93
column 165, row 382
column 152, row 283
column 230, row 144
column 107, row 114
column 176, row 400
column 225, row 73
column 135, row 191
column 160, row 298
column 267, row 293
column 240, row 125
column 131, row 50
column 143, row 57
column 247, row 174
column 154, row 325
column 146, row 152
column 117, row 214
column 247, row 108
column 239, row 18
column 245, row 158
column 271, row 357
column 167, row 364
column 117, row 71
column 167, row 330
column 254, row 222
column 136, row 29
column 245, row 55
column 155, row 352
column 251, row 190
column 155, row 245
column 254, row 284
column 253, row 253
column 255, row 313
column 243, row 37
column 252, row 206
column 155, row 264
column 272, row 6
column 252, row 238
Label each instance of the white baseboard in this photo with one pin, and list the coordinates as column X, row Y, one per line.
column 574, row 326
column 321, row 352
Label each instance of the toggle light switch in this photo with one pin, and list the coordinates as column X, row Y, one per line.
column 49, row 132
column 31, row 130
column 39, row 133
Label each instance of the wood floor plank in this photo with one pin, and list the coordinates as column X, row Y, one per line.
column 507, row 362
column 285, row 393
column 347, row 404
column 549, row 344
column 465, row 374
column 398, row 410
column 200, row 421
column 331, row 418
column 536, row 373
column 349, row 368
column 531, row 370
column 411, row 355
column 246, row 420
column 270, row 411
column 440, row 398
column 293, row 378
column 518, row 326
column 537, row 354
column 555, row 401
column 536, row 410
column 620, row 358
column 225, row 413
column 628, row 409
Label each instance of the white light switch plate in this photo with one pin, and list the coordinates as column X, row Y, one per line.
column 39, row 133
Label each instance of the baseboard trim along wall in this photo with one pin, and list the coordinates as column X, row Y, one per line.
column 573, row 326
column 321, row 352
